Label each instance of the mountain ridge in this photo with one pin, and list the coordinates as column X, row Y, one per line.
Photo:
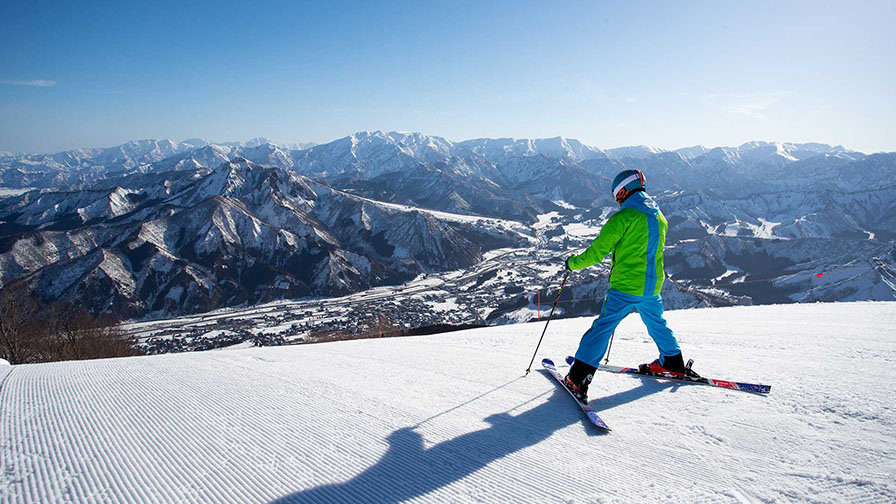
column 374, row 209
column 418, row 145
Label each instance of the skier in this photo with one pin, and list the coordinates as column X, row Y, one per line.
column 635, row 235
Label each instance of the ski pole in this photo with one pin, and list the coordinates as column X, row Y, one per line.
column 607, row 358
column 528, row 369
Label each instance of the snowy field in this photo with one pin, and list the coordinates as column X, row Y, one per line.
column 451, row 418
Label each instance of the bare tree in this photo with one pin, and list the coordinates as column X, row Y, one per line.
column 30, row 332
column 22, row 338
column 380, row 326
column 75, row 334
column 326, row 337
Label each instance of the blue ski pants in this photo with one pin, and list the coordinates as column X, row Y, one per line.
column 616, row 306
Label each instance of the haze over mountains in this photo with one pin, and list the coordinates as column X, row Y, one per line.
column 162, row 228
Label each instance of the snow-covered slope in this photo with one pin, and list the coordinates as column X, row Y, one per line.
column 635, row 151
column 451, row 418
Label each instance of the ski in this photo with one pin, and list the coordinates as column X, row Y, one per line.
column 698, row 380
column 589, row 412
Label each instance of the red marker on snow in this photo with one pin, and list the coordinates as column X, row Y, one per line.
column 818, row 275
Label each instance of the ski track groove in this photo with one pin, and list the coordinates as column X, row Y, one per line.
column 112, row 454
column 116, row 381
column 740, row 493
column 681, row 474
column 346, row 426
column 522, row 477
column 280, row 433
column 255, row 425
column 374, row 417
column 222, row 401
column 163, row 475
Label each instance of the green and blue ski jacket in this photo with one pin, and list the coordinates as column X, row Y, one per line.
column 635, row 235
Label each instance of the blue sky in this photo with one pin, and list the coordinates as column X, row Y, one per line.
column 667, row 74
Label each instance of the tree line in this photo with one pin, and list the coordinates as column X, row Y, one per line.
column 34, row 332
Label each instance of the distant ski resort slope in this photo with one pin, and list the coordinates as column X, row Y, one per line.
column 452, row 418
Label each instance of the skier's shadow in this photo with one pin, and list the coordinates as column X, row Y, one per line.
column 409, row 469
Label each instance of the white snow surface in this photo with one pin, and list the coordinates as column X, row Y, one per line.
column 13, row 191
column 581, row 230
column 452, row 418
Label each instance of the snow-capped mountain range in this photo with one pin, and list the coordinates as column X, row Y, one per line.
column 194, row 240
column 157, row 227
column 81, row 167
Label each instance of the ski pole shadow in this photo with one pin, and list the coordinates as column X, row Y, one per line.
column 409, row 469
column 469, row 401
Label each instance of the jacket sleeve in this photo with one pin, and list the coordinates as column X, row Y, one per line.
column 605, row 242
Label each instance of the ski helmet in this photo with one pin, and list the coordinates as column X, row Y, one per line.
column 627, row 183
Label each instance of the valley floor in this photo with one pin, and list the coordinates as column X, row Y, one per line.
column 452, row 418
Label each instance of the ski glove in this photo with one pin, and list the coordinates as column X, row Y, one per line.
column 567, row 263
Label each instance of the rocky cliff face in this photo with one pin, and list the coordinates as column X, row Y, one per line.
column 241, row 233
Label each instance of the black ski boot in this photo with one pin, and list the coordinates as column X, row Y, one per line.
column 578, row 379
column 674, row 364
